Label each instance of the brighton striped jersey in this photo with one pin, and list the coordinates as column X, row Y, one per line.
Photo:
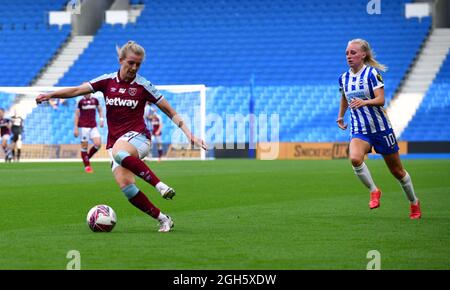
column 366, row 119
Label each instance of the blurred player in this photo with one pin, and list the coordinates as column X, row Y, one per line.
column 362, row 90
column 155, row 123
column 86, row 123
column 17, row 130
column 5, row 135
column 126, row 94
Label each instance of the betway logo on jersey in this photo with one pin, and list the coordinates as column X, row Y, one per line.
column 123, row 103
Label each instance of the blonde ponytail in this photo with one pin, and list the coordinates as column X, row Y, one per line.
column 370, row 55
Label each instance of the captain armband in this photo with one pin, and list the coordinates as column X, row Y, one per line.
column 177, row 120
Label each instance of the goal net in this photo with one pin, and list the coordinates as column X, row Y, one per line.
column 48, row 128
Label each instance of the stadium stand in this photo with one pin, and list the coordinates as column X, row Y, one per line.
column 431, row 121
column 27, row 41
column 295, row 50
column 223, row 43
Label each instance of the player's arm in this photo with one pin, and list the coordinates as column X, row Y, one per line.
column 75, row 122
column 65, row 93
column 342, row 109
column 100, row 115
column 164, row 106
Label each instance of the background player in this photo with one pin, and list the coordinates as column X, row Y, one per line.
column 17, row 130
column 362, row 90
column 126, row 95
column 154, row 122
column 5, row 134
column 86, row 123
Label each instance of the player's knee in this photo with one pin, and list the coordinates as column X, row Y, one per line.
column 398, row 172
column 356, row 161
column 130, row 190
column 120, row 155
column 84, row 145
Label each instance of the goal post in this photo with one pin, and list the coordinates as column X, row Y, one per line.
column 48, row 128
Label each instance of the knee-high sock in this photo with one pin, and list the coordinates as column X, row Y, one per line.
column 139, row 168
column 92, row 151
column 85, row 157
column 364, row 175
column 408, row 188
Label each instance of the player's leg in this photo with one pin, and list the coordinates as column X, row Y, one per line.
column 160, row 147
column 395, row 166
column 6, row 148
column 358, row 149
column 96, row 139
column 84, row 136
column 19, row 147
column 128, row 151
column 126, row 181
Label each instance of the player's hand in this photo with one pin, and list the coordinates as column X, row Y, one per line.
column 357, row 103
column 42, row 98
column 199, row 142
column 102, row 123
column 75, row 132
column 340, row 123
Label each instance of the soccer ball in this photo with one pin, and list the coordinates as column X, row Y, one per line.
column 101, row 218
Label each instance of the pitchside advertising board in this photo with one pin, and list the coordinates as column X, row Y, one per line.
column 304, row 151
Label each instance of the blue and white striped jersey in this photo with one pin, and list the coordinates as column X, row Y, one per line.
column 367, row 119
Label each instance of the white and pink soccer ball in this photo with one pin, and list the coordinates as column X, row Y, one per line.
column 101, row 218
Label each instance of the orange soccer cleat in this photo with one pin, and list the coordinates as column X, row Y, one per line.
column 415, row 213
column 375, row 199
column 88, row 169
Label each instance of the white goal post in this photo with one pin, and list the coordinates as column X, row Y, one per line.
column 188, row 100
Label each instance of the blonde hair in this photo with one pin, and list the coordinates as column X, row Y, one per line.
column 130, row 46
column 370, row 55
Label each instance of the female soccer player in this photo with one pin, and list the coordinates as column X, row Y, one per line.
column 126, row 94
column 86, row 122
column 362, row 90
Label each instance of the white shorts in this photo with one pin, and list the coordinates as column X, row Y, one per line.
column 88, row 134
column 6, row 137
column 138, row 140
column 158, row 139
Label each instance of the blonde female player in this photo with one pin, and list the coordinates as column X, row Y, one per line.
column 362, row 90
column 126, row 94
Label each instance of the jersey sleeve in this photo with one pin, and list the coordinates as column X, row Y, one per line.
column 341, row 86
column 152, row 94
column 99, row 83
column 375, row 79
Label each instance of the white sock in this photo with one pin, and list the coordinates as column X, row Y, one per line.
column 162, row 217
column 408, row 188
column 364, row 175
column 161, row 187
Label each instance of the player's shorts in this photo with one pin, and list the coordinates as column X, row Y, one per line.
column 157, row 138
column 17, row 133
column 6, row 137
column 138, row 140
column 88, row 134
column 383, row 142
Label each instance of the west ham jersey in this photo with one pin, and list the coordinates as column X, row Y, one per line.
column 367, row 119
column 87, row 107
column 125, row 103
column 4, row 129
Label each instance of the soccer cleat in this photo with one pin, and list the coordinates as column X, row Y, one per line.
column 375, row 199
column 168, row 193
column 88, row 169
column 415, row 213
column 166, row 225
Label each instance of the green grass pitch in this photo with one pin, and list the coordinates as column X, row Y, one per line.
column 229, row 214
